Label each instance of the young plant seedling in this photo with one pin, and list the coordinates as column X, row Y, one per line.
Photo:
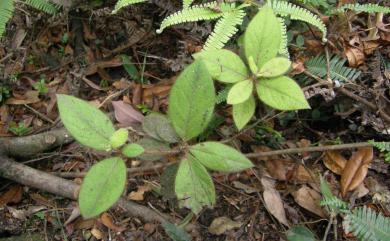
column 263, row 71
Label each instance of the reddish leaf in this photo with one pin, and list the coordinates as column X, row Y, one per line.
column 126, row 114
column 356, row 169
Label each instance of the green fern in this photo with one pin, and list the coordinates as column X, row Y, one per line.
column 124, row 3
column 334, row 204
column 295, row 12
column 222, row 95
column 367, row 225
column 187, row 3
column 367, row 8
column 382, row 147
column 6, row 11
column 337, row 70
column 283, row 49
column 225, row 28
column 316, row 3
column 43, row 6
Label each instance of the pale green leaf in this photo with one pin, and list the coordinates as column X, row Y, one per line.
column 240, row 92
column 193, row 186
column 275, row 67
column 220, row 157
column 159, row 127
column 154, row 147
column 300, row 233
column 119, row 138
column 176, row 233
column 132, row 150
column 243, row 112
column 86, row 123
column 281, row 93
column 102, row 187
column 191, row 101
column 224, row 65
column 252, row 65
column 262, row 37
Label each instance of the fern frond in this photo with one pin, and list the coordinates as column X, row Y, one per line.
column 6, row 11
column 283, row 50
column 222, row 95
column 295, row 12
column 196, row 13
column 382, row 147
column 367, row 225
column 124, row 3
column 187, row 3
column 367, row 8
column 316, row 3
column 337, row 70
column 43, row 6
column 329, row 200
column 225, row 28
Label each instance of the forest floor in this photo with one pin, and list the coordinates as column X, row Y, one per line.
column 105, row 58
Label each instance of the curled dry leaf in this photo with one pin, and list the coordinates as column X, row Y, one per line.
column 355, row 56
column 334, row 161
column 139, row 194
column 309, row 199
column 106, row 219
column 288, row 170
column 356, row 169
column 272, row 200
column 222, row 224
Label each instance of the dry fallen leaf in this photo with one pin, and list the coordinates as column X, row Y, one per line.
column 106, row 219
column 139, row 194
column 288, row 170
column 97, row 233
column 272, row 200
column 222, row 224
column 126, row 114
column 13, row 195
column 355, row 56
column 356, row 169
column 29, row 97
column 309, row 199
column 334, row 161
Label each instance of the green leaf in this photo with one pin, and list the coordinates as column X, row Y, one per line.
column 262, row 37
column 281, row 93
column 193, row 186
column 119, row 138
column 240, row 92
column 275, row 67
column 176, row 233
column 159, row 127
column 220, row 157
column 130, row 67
column 300, row 233
column 152, row 145
column 86, row 123
column 224, row 65
column 102, row 187
column 243, row 112
column 191, row 101
column 252, row 65
column 132, row 150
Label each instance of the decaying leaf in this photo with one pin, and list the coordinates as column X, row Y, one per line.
column 106, row 219
column 222, row 224
column 13, row 195
column 309, row 199
column 139, row 194
column 355, row 56
column 356, row 169
column 30, row 97
column 272, row 200
column 288, row 170
column 334, row 161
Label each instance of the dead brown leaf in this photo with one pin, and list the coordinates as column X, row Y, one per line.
column 288, row 170
column 126, row 114
column 309, row 199
column 106, row 219
column 355, row 56
column 30, row 97
column 356, row 169
column 13, row 195
column 334, row 161
column 139, row 194
column 273, row 201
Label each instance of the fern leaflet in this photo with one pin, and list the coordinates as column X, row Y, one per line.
column 225, row 28
column 124, row 3
column 43, row 6
column 295, row 12
column 334, row 204
column 187, row 3
column 283, row 50
column 337, row 70
column 195, row 13
column 382, row 147
column 367, row 225
column 6, row 11
column 367, row 8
